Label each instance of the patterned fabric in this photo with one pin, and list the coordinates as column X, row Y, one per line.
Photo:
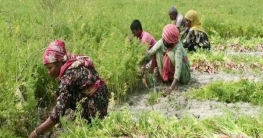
column 196, row 35
column 79, row 82
column 81, row 61
column 170, row 34
column 74, row 87
column 195, row 38
column 178, row 58
column 54, row 52
column 75, row 62
column 146, row 38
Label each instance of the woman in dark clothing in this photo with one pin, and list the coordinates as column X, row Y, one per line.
column 79, row 82
column 194, row 34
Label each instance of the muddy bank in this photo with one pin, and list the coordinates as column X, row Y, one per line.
column 177, row 105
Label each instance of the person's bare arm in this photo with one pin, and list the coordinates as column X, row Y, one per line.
column 149, row 54
column 42, row 128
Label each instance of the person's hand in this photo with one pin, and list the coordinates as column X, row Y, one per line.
column 33, row 134
column 168, row 91
column 143, row 77
column 144, row 81
column 130, row 38
column 185, row 31
column 141, row 73
column 42, row 128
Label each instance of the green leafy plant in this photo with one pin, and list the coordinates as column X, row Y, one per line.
column 100, row 29
column 154, row 124
column 154, row 97
column 241, row 91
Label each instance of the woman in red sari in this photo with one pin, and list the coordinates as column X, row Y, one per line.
column 79, row 82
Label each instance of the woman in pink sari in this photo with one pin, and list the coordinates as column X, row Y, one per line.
column 79, row 82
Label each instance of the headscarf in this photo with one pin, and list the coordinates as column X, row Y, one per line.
column 195, row 21
column 170, row 34
column 54, row 52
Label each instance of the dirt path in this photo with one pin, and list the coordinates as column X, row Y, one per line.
column 258, row 53
column 177, row 105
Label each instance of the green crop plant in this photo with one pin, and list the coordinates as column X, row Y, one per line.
column 154, row 124
column 99, row 29
column 221, row 61
column 236, row 44
column 154, row 97
column 240, row 91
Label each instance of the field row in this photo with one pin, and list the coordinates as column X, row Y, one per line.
column 213, row 62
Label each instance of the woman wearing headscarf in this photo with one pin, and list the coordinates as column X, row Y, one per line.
column 194, row 34
column 172, row 61
column 79, row 82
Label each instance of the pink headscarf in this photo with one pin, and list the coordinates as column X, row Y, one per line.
column 170, row 34
column 54, row 52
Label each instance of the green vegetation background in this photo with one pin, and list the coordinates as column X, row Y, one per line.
column 99, row 29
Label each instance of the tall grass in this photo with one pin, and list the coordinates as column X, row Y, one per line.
column 154, row 124
column 99, row 29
